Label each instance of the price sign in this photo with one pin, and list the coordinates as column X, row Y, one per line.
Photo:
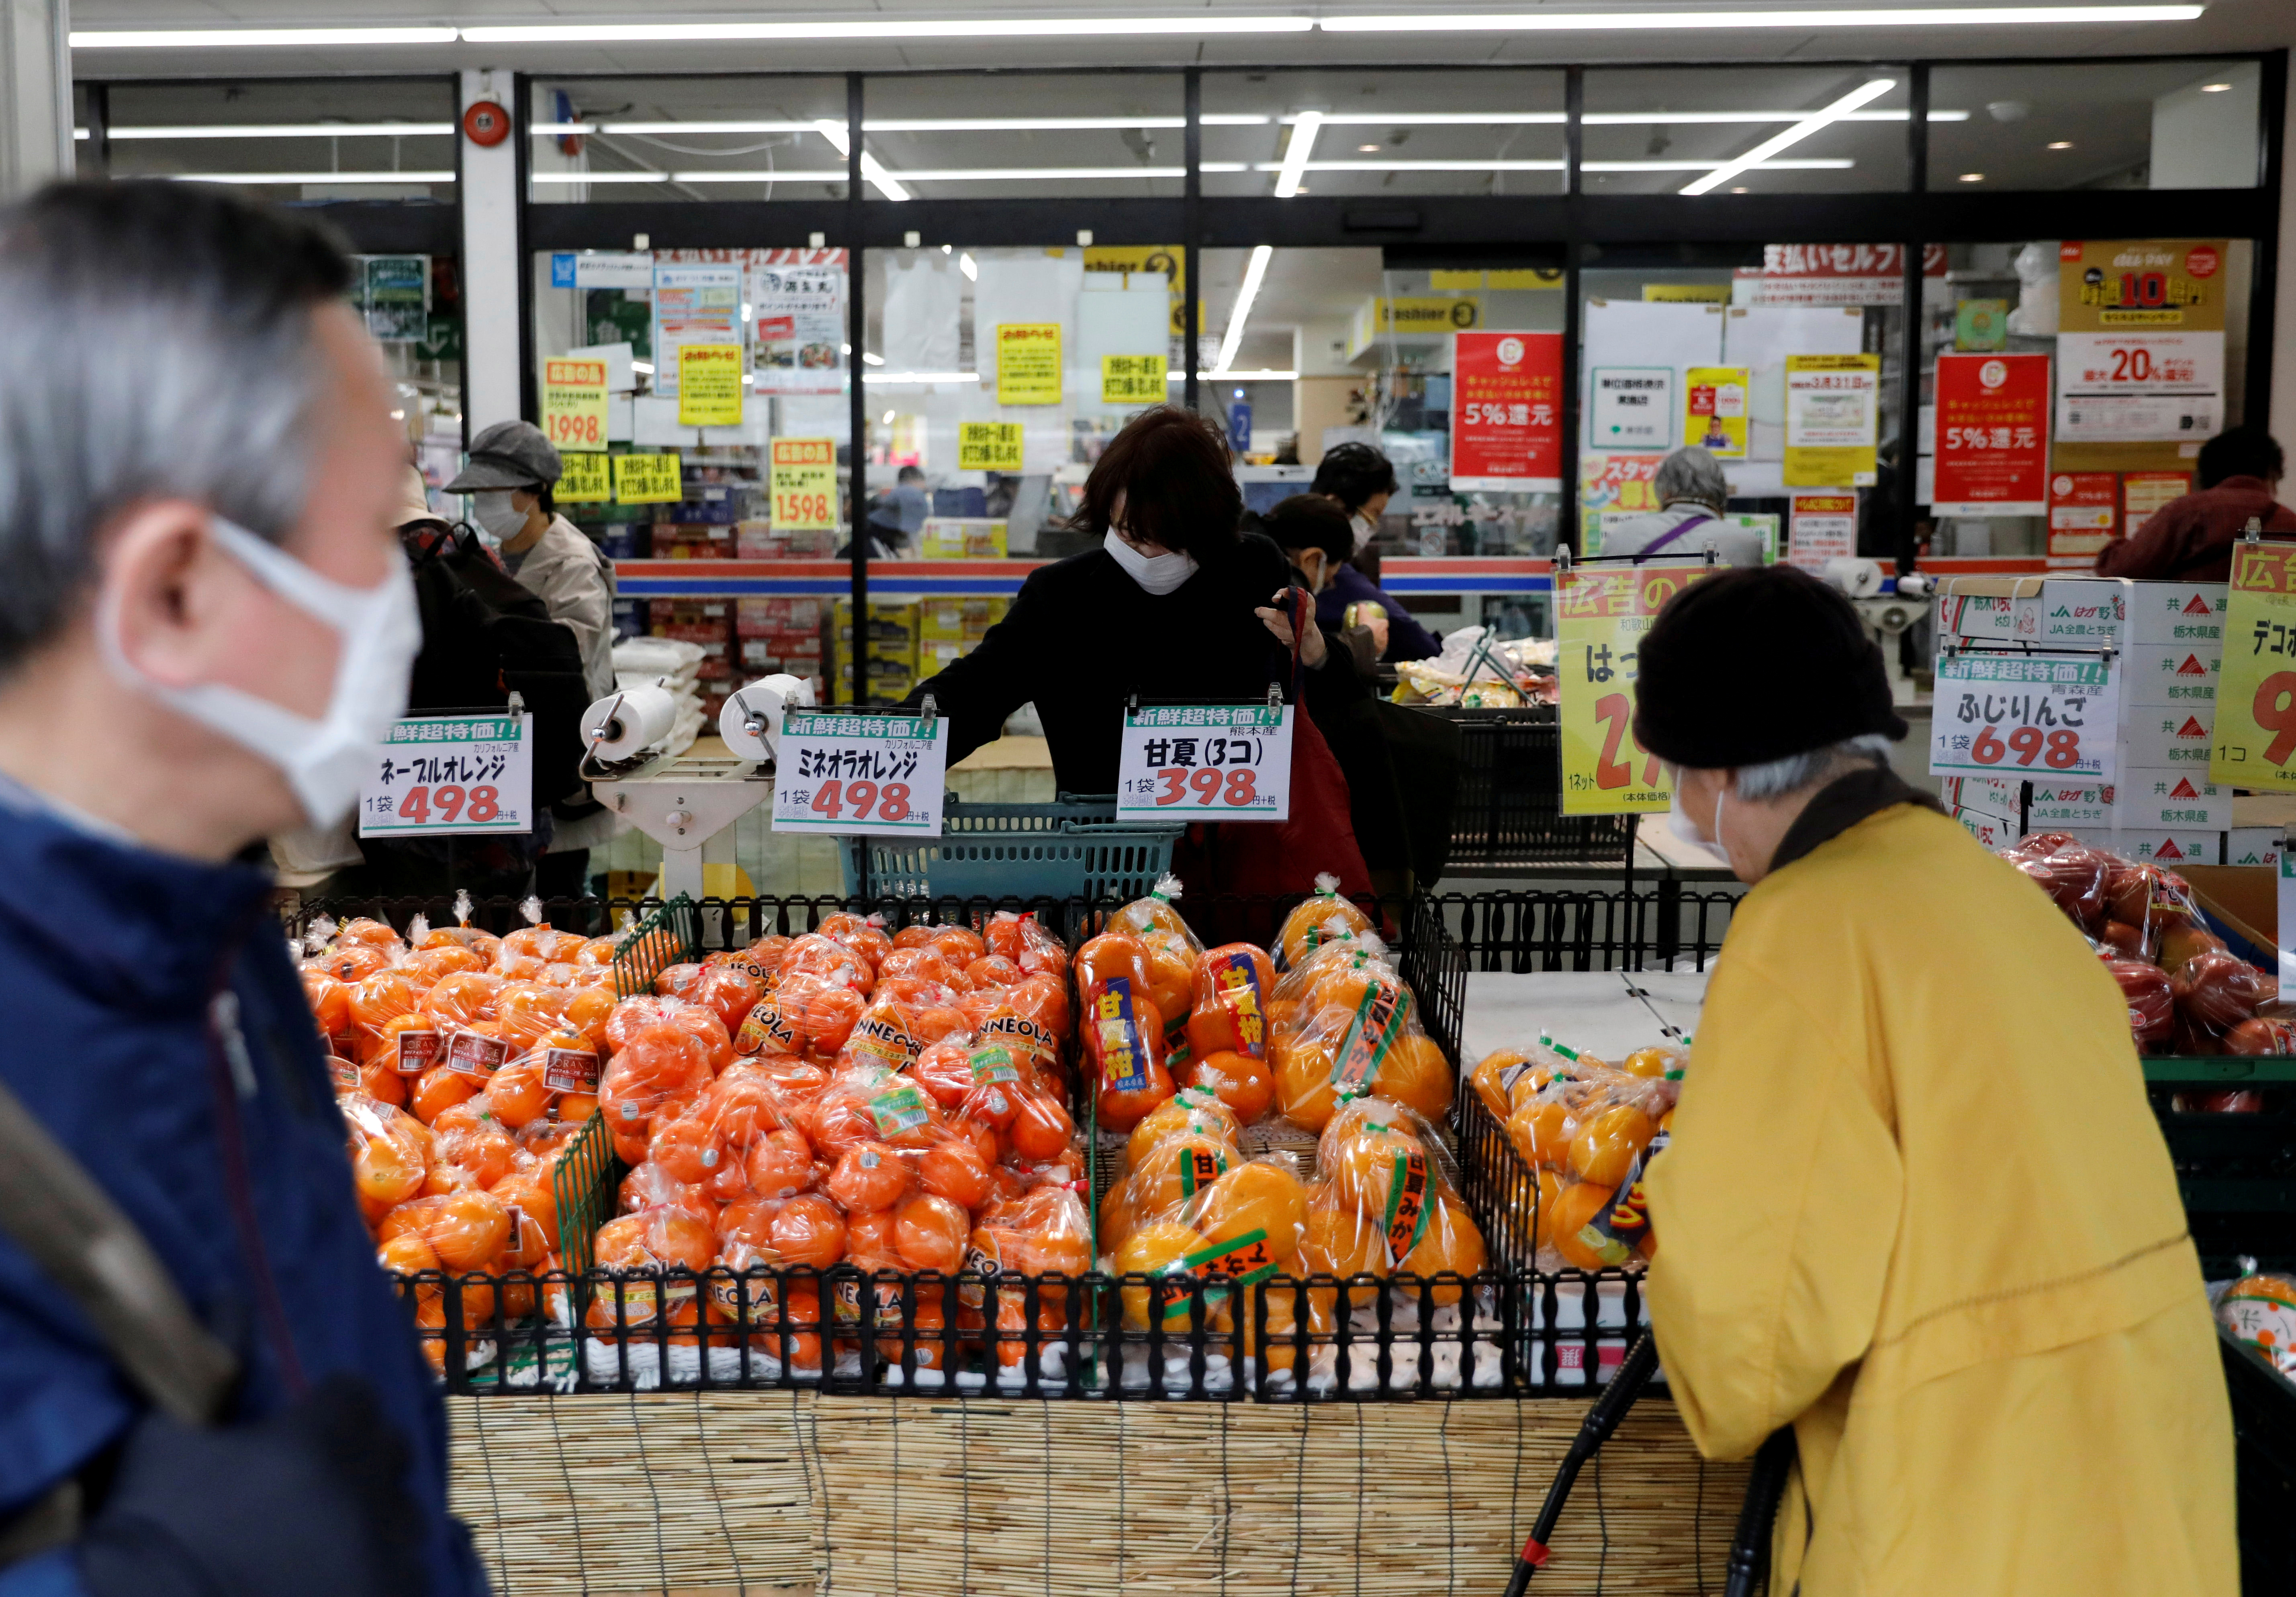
column 1602, row 615
column 436, row 774
column 647, row 479
column 988, row 446
column 1132, row 378
column 1190, row 761
column 574, row 404
column 709, row 385
column 2014, row 716
column 584, row 479
column 2256, row 696
column 1027, row 363
column 843, row 773
column 803, row 479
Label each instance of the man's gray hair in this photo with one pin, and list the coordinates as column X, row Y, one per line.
column 1775, row 778
column 1690, row 473
column 155, row 341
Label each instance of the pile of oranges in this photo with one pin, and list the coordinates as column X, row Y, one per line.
column 1587, row 1130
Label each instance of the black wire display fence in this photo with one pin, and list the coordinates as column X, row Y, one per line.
column 1667, row 926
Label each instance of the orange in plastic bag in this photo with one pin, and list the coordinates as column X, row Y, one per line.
column 1310, row 922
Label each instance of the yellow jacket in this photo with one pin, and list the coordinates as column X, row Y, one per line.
column 1916, row 1205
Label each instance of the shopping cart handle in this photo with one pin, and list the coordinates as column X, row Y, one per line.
column 1633, row 1374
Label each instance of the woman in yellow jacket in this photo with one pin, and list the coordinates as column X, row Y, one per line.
column 1914, row 1204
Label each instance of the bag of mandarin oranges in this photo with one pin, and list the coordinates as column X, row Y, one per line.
column 1588, row 1130
column 1344, row 1022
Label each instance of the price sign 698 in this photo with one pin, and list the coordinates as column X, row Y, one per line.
column 2051, row 716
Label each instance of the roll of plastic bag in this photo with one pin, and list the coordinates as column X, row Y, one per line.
column 628, row 724
column 764, row 701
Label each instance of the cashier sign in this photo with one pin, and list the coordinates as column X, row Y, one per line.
column 1185, row 761
column 843, row 773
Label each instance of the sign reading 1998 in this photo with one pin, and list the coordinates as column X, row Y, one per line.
column 842, row 772
column 1232, row 760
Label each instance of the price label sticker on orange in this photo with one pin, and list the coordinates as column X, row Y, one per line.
column 2043, row 716
column 574, row 404
column 1191, row 762
column 2255, row 743
column 1602, row 615
column 437, row 774
column 842, row 773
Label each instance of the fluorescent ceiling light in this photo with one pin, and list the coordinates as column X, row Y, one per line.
column 761, row 175
column 284, row 130
column 607, row 177
column 1305, row 126
column 1013, row 123
column 1873, row 88
column 969, row 267
column 1039, row 174
column 328, row 178
column 1224, row 118
column 1638, row 118
column 1908, row 17
column 1811, row 164
column 1426, row 119
column 868, row 359
column 252, row 39
column 871, row 170
column 1263, row 376
column 975, row 28
column 1254, row 270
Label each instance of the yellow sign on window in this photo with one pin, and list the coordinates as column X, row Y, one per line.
column 988, row 446
column 647, row 479
column 1833, row 419
column 803, row 479
column 1027, row 363
column 1603, row 613
column 1132, row 378
column 1713, row 410
column 584, row 479
column 709, row 385
column 1686, row 293
column 574, row 404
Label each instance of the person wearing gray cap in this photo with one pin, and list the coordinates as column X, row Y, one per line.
column 1692, row 492
column 512, row 469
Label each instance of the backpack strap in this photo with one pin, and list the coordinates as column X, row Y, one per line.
column 52, row 1208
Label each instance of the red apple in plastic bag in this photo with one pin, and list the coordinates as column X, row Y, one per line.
column 2144, row 987
column 2258, row 1038
column 2069, row 871
column 2217, row 989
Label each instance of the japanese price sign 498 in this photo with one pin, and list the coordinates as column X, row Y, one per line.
column 1232, row 760
column 436, row 774
column 847, row 773
column 1603, row 613
column 2256, row 696
column 2019, row 715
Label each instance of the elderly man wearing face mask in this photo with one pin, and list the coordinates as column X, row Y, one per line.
column 1175, row 603
column 512, row 469
column 1915, row 1210
column 206, row 1382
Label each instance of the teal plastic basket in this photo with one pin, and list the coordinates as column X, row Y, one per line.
column 1069, row 849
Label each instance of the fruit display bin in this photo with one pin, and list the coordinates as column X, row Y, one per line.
column 1507, row 811
column 1072, row 848
column 2264, row 1432
column 2230, row 1128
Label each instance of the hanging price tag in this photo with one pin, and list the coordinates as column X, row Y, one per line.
column 803, row 479
column 647, row 479
column 2256, row 699
column 574, row 404
column 1603, row 612
column 2047, row 716
column 988, row 446
column 1185, row 761
column 436, row 774
column 844, row 774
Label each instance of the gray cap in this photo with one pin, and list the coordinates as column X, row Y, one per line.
column 509, row 455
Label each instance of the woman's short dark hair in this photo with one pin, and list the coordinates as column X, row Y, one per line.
column 1170, row 466
column 1351, row 473
column 1310, row 521
column 2238, row 452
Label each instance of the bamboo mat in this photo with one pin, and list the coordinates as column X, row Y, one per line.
column 695, row 1495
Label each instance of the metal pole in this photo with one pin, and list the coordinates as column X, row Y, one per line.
column 1192, row 255
column 1911, row 323
column 1574, row 106
column 857, row 314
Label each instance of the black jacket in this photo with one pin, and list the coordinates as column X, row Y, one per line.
column 1082, row 637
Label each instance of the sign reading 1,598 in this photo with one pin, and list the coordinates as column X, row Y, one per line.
column 1234, row 760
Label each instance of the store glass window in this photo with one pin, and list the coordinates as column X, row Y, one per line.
column 603, row 139
column 1335, row 131
column 1027, row 135
column 1781, row 361
column 2067, row 386
column 2114, row 125
column 283, row 139
column 1745, row 130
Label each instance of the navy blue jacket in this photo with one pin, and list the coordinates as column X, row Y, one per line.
column 1407, row 639
column 112, row 958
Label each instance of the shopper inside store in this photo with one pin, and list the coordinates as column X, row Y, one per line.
column 971, row 800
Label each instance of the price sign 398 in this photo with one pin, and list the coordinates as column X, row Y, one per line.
column 1233, row 760
column 2006, row 715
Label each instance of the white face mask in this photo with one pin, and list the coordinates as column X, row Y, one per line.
column 1679, row 823
column 1158, row 573
column 494, row 511
column 1364, row 530
column 382, row 632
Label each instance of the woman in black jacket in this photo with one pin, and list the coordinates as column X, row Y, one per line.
column 1175, row 603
